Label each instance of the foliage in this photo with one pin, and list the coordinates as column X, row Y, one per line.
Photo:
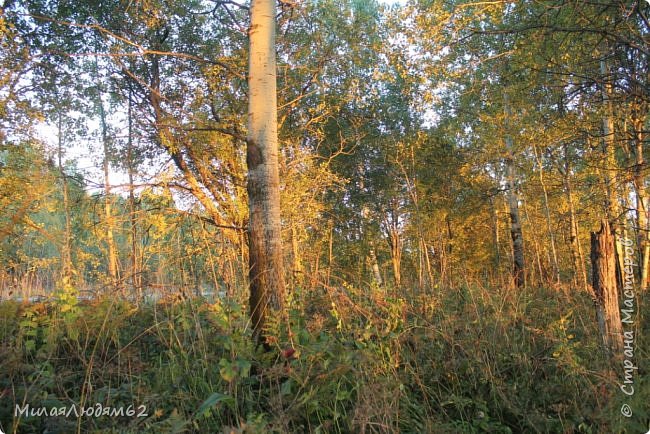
column 469, row 360
column 403, row 132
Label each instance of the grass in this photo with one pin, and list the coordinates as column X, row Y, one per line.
column 467, row 360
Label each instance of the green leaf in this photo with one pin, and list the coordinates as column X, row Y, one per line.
column 286, row 388
column 213, row 400
column 227, row 370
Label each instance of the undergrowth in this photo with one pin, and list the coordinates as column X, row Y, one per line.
column 469, row 360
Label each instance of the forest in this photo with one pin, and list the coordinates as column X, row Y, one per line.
column 324, row 216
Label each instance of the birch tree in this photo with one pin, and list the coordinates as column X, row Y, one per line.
column 266, row 270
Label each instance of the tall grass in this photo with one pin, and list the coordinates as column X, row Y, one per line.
column 462, row 360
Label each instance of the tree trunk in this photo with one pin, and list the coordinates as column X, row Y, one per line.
column 395, row 244
column 108, row 213
column 547, row 213
column 374, row 264
column 66, row 257
column 396, row 258
column 297, row 269
column 136, row 281
column 495, row 236
column 266, row 270
column 518, row 270
column 641, row 200
column 515, row 229
column 609, row 151
column 579, row 268
column 613, row 207
column 605, row 287
column 330, row 254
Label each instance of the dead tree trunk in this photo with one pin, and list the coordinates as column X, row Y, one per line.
column 603, row 259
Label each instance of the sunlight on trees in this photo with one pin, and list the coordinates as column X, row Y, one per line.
column 432, row 215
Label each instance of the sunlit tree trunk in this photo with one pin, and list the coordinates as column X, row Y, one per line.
column 66, row 257
column 374, row 264
column 266, row 270
column 423, row 256
column 641, row 199
column 396, row 256
column 135, row 261
column 108, row 213
column 330, row 254
column 613, row 208
column 547, row 213
column 579, row 267
column 395, row 244
column 603, row 259
column 297, row 268
column 533, row 245
column 495, row 236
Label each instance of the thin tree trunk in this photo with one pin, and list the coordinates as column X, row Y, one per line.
column 547, row 212
column 66, row 257
column 579, row 269
column 395, row 244
column 315, row 275
column 297, row 269
column 396, row 257
column 603, row 258
column 108, row 213
column 330, row 256
column 136, row 280
column 516, row 234
column 374, row 264
column 423, row 257
column 267, row 287
column 641, row 201
column 495, row 236
column 427, row 261
column 442, row 258
column 576, row 250
column 542, row 276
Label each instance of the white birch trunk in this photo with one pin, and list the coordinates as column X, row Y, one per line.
column 266, row 270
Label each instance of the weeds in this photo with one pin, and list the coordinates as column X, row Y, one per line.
column 466, row 361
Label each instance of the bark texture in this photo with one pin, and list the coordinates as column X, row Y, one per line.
column 513, row 207
column 603, row 259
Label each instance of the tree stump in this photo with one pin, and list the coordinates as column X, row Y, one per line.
column 605, row 289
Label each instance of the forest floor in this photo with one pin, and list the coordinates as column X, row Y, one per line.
column 467, row 360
